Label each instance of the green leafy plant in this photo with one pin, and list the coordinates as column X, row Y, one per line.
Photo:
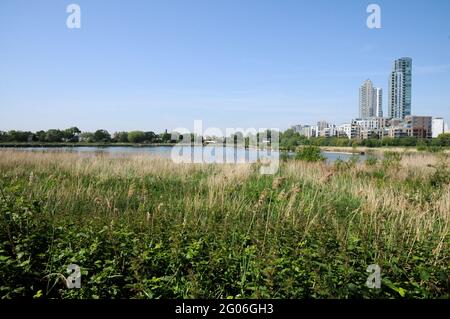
column 309, row 153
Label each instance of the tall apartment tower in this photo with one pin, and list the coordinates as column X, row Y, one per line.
column 370, row 101
column 366, row 100
column 378, row 100
column 400, row 89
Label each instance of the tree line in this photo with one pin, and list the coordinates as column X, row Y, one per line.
column 74, row 135
column 289, row 139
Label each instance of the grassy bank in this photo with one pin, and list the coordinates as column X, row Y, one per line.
column 142, row 227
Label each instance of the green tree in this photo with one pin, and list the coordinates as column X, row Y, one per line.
column 87, row 137
column 102, row 136
column 310, row 154
column 20, row 136
column 165, row 137
column 150, row 137
column 71, row 134
column 121, row 137
column 444, row 139
column 290, row 139
column 54, row 136
column 136, row 137
column 41, row 136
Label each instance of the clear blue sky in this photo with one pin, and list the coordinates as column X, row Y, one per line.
column 153, row 65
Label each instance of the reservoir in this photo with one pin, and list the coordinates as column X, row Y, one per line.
column 205, row 154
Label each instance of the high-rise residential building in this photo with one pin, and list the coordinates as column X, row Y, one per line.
column 438, row 127
column 370, row 101
column 378, row 100
column 400, row 89
column 366, row 102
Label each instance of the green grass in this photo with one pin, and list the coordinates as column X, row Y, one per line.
column 147, row 228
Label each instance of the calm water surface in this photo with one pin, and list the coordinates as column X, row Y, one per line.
column 208, row 154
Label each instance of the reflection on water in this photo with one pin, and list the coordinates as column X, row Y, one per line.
column 192, row 154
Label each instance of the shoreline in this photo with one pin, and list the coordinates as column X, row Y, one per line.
column 360, row 150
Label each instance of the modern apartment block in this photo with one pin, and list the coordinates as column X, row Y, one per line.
column 345, row 130
column 419, row 126
column 308, row 131
column 399, row 95
column 378, row 127
column 330, row 131
column 373, row 127
column 322, row 125
column 413, row 126
column 322, row 129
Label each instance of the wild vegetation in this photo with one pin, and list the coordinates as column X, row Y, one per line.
column 143, row 227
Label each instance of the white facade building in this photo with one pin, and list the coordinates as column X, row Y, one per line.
column 378, row 101
column 346, row 129
column 438, row 127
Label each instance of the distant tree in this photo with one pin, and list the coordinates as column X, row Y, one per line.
column 54, row 136
column 20, row 136
column 136, row 137
column 165, row 137
column 444, row 139
column 3, row 136
column 87, row 137
column 150, row 137
column 102, row 136
column 40, row 136
column 71, row 134
column 121, row 137
column 290, row 139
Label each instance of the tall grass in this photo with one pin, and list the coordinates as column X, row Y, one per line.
column 144, row 227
